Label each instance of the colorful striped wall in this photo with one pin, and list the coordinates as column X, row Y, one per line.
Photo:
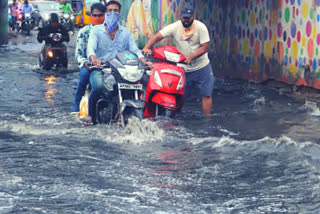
column 251, row 39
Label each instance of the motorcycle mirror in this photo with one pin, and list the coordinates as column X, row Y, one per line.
column 88, row 13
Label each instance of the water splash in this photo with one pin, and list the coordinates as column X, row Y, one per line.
column 309, row 105
column 137, row 132
column 259, row 101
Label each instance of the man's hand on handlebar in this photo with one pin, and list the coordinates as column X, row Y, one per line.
column 86, row 64
column 147, row 51
column 188, row 60
column 147, row 63
column 95, row 61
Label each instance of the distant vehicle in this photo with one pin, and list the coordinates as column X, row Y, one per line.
column 41, row 11
column 27, row 24
column 82, row 9
column 66, row 20
column 53, row 54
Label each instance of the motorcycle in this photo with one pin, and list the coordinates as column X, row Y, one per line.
column 166, row 85
column 121, row 96
column 27, row 24
column 53, row 55
column 66, row 20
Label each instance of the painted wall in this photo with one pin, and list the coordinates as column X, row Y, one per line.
column 252, row 39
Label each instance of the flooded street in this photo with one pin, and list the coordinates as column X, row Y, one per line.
column 259, row 152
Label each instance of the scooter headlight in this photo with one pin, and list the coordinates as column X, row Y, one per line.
column 157, row 78
column 180, row 83
column 50, row 54
column 72, row 18
column 27, row 15
column 46, row 17
column 172, row 57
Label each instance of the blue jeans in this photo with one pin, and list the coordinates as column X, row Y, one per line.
column 96, row 81
column 81, row 88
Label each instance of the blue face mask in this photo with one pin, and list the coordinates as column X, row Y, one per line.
column 112, row 20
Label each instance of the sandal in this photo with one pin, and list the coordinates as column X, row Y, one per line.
column 87, row 121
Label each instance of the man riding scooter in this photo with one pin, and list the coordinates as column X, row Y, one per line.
column 53, row 34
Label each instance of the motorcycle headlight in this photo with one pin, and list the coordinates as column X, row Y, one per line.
column 157, row 79
column 66, row 16
column 46, row 17
column 50, row 54
column 27, row 15
column 109, row 81
column 131, row 73
column 72, row 17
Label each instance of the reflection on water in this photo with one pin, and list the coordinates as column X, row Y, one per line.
column 50, row 88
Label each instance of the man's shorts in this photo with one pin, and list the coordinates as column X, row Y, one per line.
column 202, row 79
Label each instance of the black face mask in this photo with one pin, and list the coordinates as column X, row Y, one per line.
column 187, row 23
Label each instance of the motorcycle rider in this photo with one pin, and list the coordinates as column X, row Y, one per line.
column 53, row 28
column 14, row 7
column 66, row 7
column 193, row 40
column 105, row 42
column 97, row 17
column 26, row 9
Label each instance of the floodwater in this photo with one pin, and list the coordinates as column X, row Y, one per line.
column 258, row 152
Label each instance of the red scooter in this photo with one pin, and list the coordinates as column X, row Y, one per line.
column 166, row 85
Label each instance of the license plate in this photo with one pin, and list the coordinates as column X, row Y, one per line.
column 130, row 86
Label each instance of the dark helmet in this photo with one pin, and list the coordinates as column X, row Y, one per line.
column 54, row 18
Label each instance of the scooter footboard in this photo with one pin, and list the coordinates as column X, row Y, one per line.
column 168, row 101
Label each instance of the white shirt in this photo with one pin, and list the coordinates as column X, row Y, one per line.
column 190, row 45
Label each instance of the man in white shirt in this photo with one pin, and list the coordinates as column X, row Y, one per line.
column 192, row 39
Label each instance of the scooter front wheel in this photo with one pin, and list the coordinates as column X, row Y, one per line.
column 161, row 111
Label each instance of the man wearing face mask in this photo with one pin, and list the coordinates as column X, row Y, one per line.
column 105, row 42
column 97, row 18
column 192, row 40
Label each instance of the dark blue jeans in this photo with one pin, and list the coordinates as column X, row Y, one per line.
column 81, row 88
column 96, row 81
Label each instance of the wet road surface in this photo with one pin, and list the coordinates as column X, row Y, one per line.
column 257, row 153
